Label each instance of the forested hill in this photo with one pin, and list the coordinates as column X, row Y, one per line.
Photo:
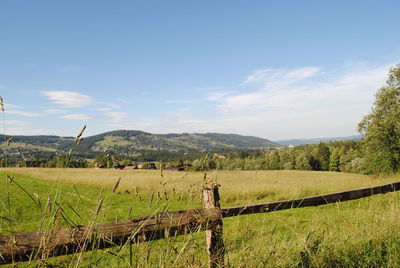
column 133, row 141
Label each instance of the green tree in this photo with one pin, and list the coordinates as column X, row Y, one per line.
column 303, row 161
column 149, row 165
column 322, row 155
column 274, row 161
column 334, row 160
column 381, row 128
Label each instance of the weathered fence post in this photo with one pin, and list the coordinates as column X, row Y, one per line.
column 214, row 239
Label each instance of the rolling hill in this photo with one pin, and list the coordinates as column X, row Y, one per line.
column 134, row 142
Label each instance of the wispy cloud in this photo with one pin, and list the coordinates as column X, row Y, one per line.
column 69, row 99
column 117, row 116
column 12, row 106
column 123, row 100
column 22, row 113
column 80, row 117
column 286, row 103
column 299, row 94
column 110, row 113
column 217, row 96
column 54, row 111
column 108, row 105
column 118, row 119
column 103, row 109
column 271, row 77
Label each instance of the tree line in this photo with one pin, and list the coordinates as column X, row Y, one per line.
column 340, row 156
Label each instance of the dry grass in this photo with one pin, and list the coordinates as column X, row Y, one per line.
column 236, row 186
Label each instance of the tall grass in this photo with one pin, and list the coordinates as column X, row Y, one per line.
column 362, row 233
column 78, row 140
column 237, row 186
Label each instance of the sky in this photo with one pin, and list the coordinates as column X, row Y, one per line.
column 272, row 69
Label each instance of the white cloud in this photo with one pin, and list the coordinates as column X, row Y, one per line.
column 12, row 106
column 117, row 116
column 103, row 109
column 22, row 113
column 347, row 88
column 54, row 111
column 108, row 105
column 69, row 99
column 217, row 96
column 279, row 104
column 281, row 76
column 294, row 100
column 115, row 119
column 123, row 100
column 118, row 119
column 81, row 117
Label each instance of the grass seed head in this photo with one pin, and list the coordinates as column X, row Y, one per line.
column 1, row 104
column 9, row 141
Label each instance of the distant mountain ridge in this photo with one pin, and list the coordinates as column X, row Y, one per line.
column 316, row 140
column 140, row 142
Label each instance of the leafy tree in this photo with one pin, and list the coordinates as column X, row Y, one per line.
column 334, row 160
column 288, row 160
column 303, row 161
column 381, row 128
column 149, row 165
column 322, row 155
column 101, row 160
column 274, row 161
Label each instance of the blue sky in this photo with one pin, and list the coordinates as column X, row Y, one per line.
column 273, row 69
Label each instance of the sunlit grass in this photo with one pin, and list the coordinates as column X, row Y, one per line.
column 361, row 233
column 236, row 186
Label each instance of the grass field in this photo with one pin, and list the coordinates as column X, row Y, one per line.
column 362, row 233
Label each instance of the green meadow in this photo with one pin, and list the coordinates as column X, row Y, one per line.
column 360, row 233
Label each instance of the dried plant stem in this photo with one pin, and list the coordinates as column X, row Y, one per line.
column 25, row 191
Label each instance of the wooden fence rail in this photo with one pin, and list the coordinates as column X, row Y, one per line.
column 311, row 201
column 27, row 246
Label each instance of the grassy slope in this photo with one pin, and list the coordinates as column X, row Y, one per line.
column 357, row 233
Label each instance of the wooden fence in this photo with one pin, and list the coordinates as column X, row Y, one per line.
column 28, row 246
